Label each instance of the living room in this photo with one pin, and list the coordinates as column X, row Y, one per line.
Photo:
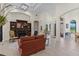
column 20, row 22
column 26, row 22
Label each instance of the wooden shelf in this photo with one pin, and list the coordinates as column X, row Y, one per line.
column 21, row 26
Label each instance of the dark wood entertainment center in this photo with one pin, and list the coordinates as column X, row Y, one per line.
column 20, row 28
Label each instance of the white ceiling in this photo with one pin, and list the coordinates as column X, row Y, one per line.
column 37, row 8
column 25, row 6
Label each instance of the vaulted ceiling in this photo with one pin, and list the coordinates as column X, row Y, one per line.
column 25, row 6
column 37, row 8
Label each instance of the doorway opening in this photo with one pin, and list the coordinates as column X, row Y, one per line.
column 1, row 34
column 36, row 27
column 73, row 26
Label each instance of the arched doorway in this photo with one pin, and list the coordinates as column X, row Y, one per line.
column 73, row 26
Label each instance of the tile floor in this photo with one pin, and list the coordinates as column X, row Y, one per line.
column 61, row 47
column 9, row 49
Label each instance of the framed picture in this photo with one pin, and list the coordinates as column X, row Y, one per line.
column 67, row 26
column 18, row 25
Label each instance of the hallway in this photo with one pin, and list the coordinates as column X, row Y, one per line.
column 62, row 47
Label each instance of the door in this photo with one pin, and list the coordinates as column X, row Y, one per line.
column 1, row 34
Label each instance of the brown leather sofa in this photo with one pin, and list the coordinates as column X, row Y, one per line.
column 32, row 44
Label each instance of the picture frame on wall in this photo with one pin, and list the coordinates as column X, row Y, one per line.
column 18, row 25
column 67, row 26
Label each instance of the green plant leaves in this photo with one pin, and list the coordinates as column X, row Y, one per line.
column 2, row 20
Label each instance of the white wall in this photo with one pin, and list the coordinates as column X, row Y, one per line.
column 47, row 15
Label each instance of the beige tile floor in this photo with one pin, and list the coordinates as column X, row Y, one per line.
column 9, row 49
column 61, row 47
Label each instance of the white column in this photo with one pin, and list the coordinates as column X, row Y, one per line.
column 6, row 29
column 57, row 29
